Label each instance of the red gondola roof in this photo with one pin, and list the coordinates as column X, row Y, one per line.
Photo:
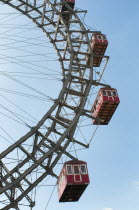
column 75, row 162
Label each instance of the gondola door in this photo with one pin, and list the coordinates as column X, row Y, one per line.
column 77, row 174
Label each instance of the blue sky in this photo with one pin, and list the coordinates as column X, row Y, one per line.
column 113, row 158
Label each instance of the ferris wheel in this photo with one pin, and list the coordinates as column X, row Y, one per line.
column 52, row 138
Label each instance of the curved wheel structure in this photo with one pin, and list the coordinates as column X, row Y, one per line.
column 71, row 42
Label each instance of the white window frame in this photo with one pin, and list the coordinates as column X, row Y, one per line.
column 79, row 174
column 110, row 93
column 71, row 169
column 78, row 168
column 113, row 94
column 105, row 93
column 85, row 169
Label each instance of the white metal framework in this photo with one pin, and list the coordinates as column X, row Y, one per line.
column 75, row 46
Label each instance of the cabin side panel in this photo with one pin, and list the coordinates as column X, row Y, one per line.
column 62, row 183
column 104, row 106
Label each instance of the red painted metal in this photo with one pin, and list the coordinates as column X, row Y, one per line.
column 70, row 1
column 104, row 106
column 72, row 181
column 99, row 44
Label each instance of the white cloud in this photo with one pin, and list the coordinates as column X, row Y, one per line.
column 136, row 184
column 107, row 209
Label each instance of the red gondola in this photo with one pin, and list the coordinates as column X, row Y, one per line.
column 99, row 44
column 72, row 181
column 67, row 16
column 104, row 106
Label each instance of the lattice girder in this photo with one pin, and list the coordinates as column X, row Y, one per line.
column 46, row 151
